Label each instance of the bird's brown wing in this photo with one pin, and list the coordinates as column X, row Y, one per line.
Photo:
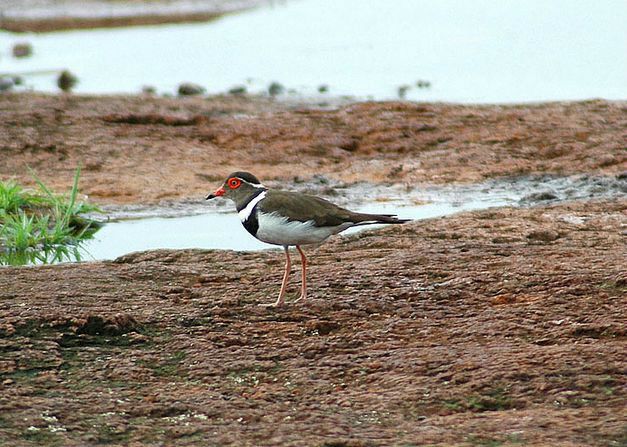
column 303, row 208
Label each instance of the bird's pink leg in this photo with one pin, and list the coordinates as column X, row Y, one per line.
column 303, row 260
column 288, row 268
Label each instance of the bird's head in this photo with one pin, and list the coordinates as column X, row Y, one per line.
column 238, row 187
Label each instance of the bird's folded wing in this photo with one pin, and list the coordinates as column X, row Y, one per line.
column 303, row 208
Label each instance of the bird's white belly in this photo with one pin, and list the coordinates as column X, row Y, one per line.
column 278, row 230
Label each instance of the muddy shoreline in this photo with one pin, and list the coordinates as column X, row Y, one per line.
column 137, row 149
column 499, row 327
column 41, row 16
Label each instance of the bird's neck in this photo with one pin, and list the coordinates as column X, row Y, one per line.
column 254, row 193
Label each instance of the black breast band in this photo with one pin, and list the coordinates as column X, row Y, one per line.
column 252, row 223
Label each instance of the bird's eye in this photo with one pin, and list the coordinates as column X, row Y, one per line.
column 234, row 183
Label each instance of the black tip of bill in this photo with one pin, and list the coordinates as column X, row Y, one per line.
column 210, row 196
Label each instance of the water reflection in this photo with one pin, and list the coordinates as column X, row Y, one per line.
column 73, row 251
column 48, row 255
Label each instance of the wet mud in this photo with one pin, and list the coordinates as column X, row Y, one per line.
column 146, row 150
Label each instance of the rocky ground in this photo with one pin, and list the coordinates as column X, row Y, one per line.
column 500, row 327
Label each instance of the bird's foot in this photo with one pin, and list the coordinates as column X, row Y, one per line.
column 275, row 304
column 301, row 298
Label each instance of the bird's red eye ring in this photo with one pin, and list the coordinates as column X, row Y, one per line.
column 234, row 183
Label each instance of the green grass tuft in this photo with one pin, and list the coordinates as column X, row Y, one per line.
column 41, row 226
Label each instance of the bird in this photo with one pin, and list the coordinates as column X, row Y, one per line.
column 289, row 218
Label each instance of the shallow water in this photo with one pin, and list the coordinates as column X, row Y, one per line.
column 221, row 230
column 215, row 224
column 481, row 51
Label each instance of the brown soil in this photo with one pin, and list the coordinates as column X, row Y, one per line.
column 496, row 328
column 501, row 327
column 68, row 23
column 40, row 16
column 143, row 150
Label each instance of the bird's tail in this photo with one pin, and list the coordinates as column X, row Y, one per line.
column 370, row 219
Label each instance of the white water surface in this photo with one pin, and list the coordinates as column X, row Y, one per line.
column 471, row 51
column 219, row 230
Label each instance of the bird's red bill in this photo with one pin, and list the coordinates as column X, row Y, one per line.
column 218, row 192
